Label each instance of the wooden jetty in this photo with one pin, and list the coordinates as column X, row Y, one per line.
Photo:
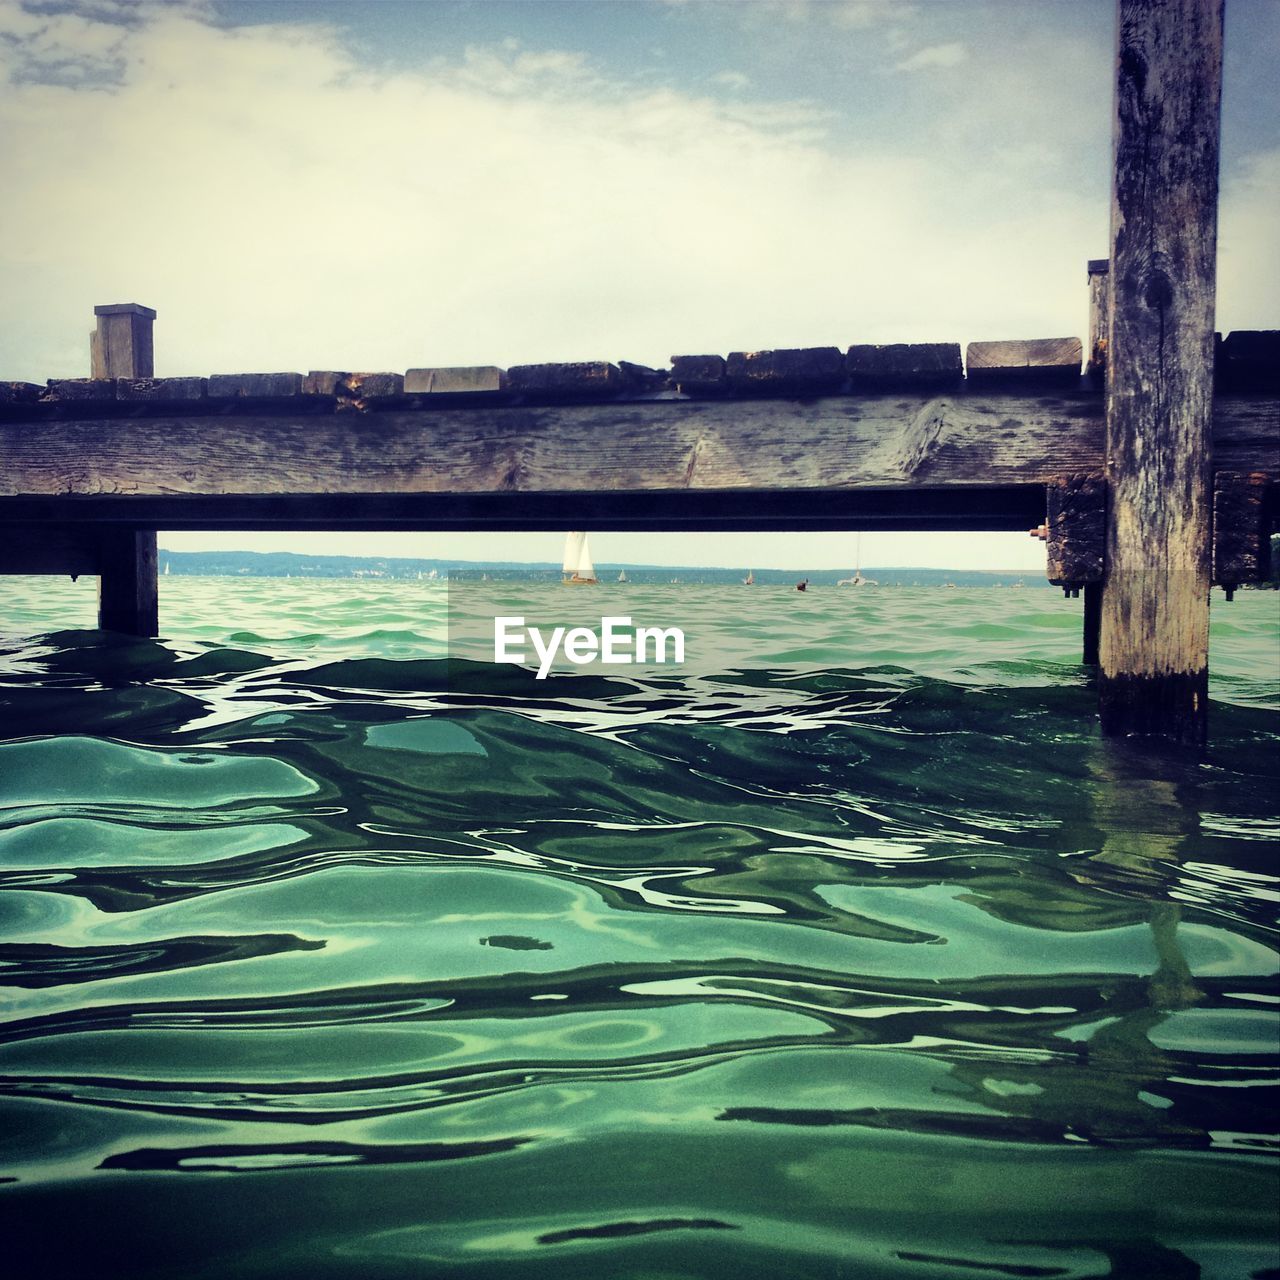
column 1151, row 471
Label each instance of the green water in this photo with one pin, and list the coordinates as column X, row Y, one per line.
column 847, row 949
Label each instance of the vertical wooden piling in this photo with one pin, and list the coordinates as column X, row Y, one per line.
column 1099, row 313
column 1099, row 276
column 128, row 585
column 1154, row 643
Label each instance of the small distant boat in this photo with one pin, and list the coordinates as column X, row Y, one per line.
column 433, row 575
column 950, row 586
column 803, row 585
column 166, row 568
column 578, row 571
column 622, row 576
column 750, row 579
column 857, row 580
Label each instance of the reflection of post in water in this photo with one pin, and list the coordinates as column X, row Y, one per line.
column 1114, row 1088
column 1144, row 818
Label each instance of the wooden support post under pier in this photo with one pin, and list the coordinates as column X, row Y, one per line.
column 1099, row 275
column 128, row 587
column 1154, row 643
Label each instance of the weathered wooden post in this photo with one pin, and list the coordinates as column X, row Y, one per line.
column 128, row 585
column 1154, row 646
column 120, row 346
column 1099, row 275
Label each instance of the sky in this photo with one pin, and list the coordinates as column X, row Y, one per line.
column 403, row 183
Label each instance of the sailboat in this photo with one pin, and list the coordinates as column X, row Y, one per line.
column 578, row 570
column 622, row 575
column 857, row 580
column 750, row 579
column 166, row 568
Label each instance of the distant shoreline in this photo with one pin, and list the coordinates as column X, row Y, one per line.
column 290, row 564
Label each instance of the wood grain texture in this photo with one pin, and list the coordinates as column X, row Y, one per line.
column 121, row 345
column 1033, row 361
column 1077, row 520
column 1155, row 609
column 839, row 443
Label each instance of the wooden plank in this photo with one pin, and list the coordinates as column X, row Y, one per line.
column 905, row 442
column 673, row 510
column 1155, row 607
column 128, row 586
column 1034, row 362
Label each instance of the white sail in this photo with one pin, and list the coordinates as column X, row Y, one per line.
column 622, row 577
column 586, row 570
column 573, row 546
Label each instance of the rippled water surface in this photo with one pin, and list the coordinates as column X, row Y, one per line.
column 847, row 949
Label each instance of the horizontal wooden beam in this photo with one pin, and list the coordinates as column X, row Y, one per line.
column 893, row 441
column 45, row 549
column 1007, row 508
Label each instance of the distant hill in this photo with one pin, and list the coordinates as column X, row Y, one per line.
column 290, row 564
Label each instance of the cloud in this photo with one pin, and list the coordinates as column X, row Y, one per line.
column 283, row 205
column 1248, row 248
column 935, row 55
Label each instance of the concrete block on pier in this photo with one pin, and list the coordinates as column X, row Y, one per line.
column 1041, row 361
column 798, row 370
column 484, row 380
column 161, row 390
column 699, row 375
column 19, row 400
column 254, row 386
column 369, row 388
column 584, row 380
column 80, row 390
column 904, row 366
